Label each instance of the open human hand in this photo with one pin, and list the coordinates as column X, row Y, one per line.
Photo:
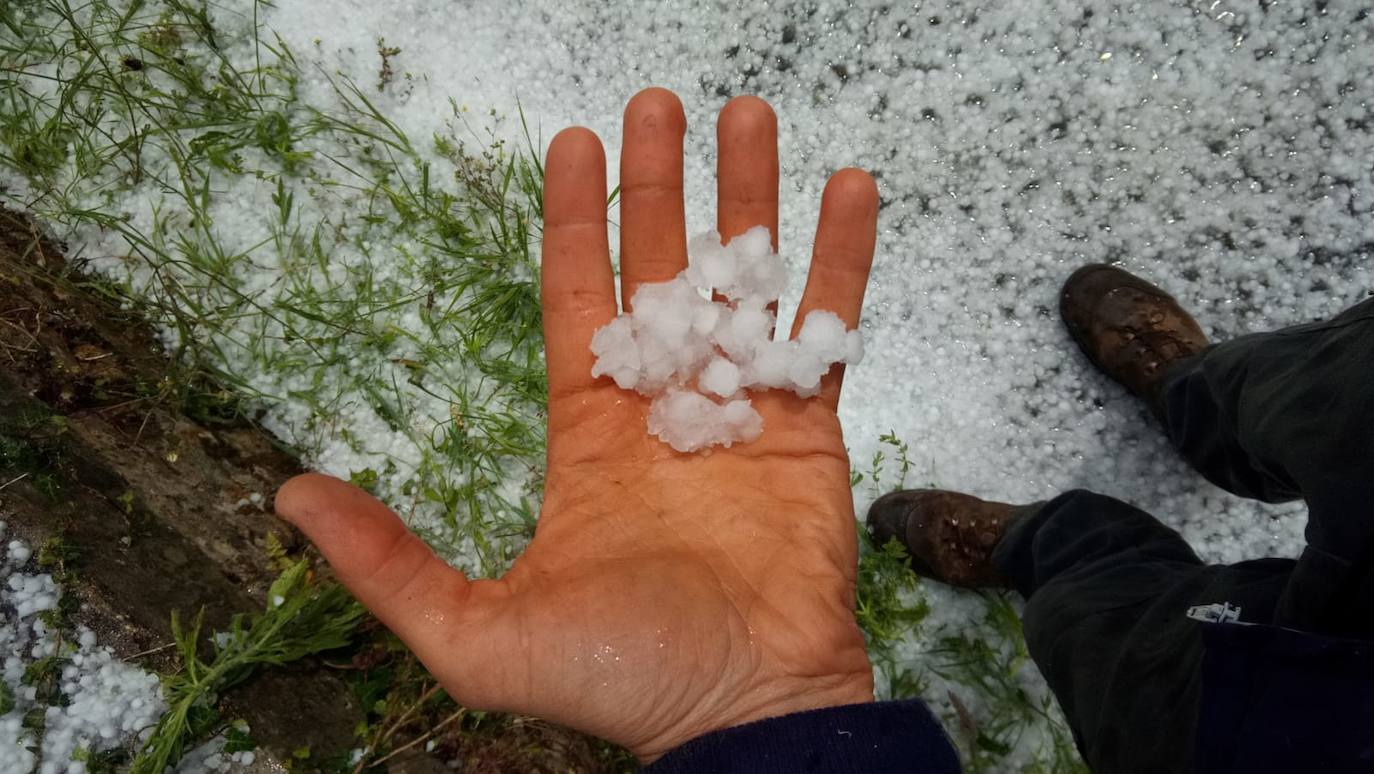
column 664, row 595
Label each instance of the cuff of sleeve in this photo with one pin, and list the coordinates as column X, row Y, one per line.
column 873, row 738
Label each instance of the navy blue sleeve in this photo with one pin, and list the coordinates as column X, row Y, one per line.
column 1278, row 700
column 872, row 738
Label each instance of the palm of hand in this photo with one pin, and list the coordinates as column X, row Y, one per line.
column 664, row 595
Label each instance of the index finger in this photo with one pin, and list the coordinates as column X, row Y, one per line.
column 577, row 288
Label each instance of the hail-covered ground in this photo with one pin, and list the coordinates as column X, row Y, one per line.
column 64, row 699
column 1225, row 150
column 1222, row 149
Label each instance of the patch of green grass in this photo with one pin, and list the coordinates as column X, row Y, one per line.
column 988, row 670
column 402, row 269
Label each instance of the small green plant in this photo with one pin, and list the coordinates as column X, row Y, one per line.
column 889, row 609
column 364, row 479
column 386, row 73
column 44, row 675
column 990, row 668
column 107, row 762
column 58, row 555
column 237, row 739
column 903, row 450
column 302, row 618
column 877, row 466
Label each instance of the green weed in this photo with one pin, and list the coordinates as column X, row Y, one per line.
column 988, row 670
column 302, row 618
column 889, row 609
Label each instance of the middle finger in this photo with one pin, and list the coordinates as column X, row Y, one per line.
column 746, row 168
column 653, row 231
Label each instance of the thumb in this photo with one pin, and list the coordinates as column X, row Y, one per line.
column 391, row 571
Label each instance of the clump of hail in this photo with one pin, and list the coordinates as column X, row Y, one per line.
column 699, row 358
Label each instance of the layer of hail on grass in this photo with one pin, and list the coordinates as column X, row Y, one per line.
column 994, row 712
column 389, row 286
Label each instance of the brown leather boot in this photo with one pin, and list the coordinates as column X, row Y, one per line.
column 1128, row 328
column 949, row 535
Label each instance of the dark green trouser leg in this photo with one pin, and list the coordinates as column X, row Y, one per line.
column 1274, row 416
column 1287, row 415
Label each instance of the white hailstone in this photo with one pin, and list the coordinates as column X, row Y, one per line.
column 689, row 421
column 678, row 345
column 19, row 552
column 750, row 325
column 823, row 334
column 616, row 353
column 769, row 367
column 747, row 267
column 664, row 310
column 709, row 265
column 669, row 336
column 805, row 372
column 853, row 348
column 759, row 272
column 705, row 319
column 720, row 377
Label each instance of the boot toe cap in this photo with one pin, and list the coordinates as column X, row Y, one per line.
column 888, row 517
